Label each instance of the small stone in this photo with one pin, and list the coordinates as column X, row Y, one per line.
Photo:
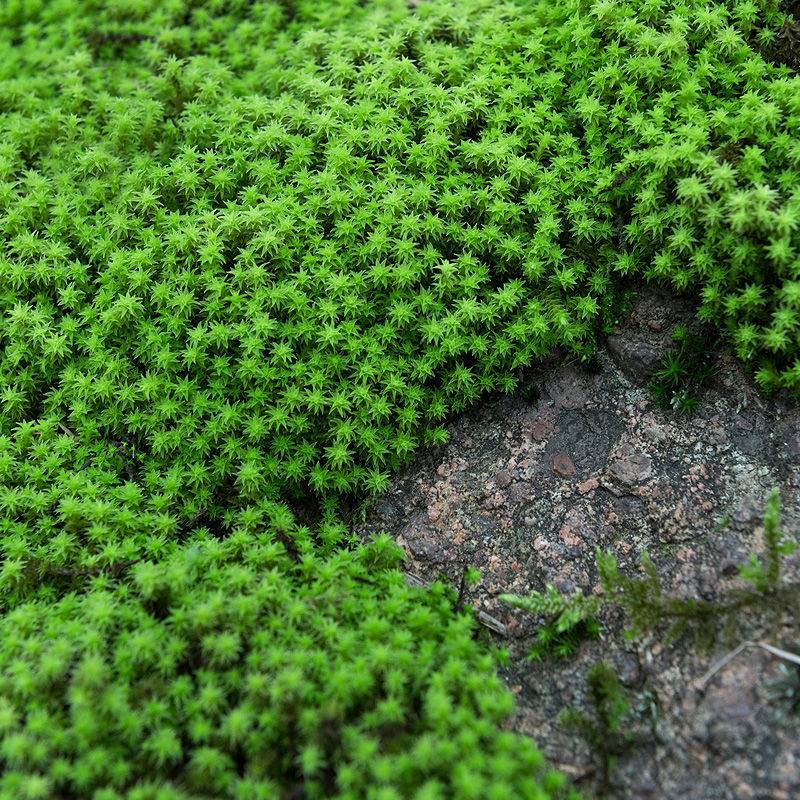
column 635, row 357
column 567, row 533
column 588, row 485
column 502, row 479
column 562, row 465
column 632, row 467
column 628, row 668
column 540, row 430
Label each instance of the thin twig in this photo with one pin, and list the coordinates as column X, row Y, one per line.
column 461, row 588
column 487, row 620
column 725, row 660
column 492, row 623
column 576, row 773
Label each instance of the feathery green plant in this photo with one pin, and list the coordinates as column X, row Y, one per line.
column 608, row 730
column 647, row 607
column 570, row 619
column 765, row 573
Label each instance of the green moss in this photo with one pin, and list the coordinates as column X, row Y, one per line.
column 231, row 670
column 265, row 255
column 253, row 255
column 683, row 372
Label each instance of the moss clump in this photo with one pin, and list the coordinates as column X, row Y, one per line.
column 683, row 372
column 232, row 670
column 273, row 274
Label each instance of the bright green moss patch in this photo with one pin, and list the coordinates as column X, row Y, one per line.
column 230, row 670
column 273, row 276
column 252, row 255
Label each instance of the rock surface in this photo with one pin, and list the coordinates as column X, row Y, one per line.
column 526, row 491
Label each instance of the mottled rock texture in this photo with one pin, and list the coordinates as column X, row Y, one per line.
column 527, row 490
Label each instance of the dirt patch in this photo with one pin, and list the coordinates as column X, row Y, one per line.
column 526, row 491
